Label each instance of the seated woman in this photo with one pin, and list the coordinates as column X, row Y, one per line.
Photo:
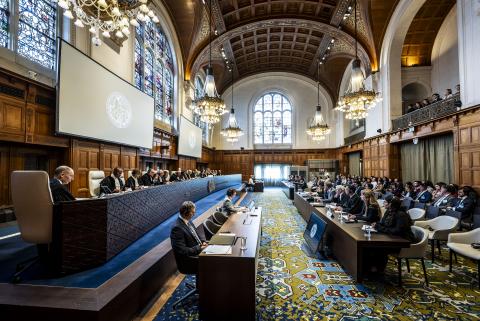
column 133, row 182
column 228, row 206
column 371, row 209
column 394, row 222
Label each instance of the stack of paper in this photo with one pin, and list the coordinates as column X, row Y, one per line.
column 368, row 227
column 218, row 249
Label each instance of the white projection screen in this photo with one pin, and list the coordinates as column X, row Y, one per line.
column 189, row 139
column 93, row 102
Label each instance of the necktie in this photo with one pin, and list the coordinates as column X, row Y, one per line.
column 194, row 233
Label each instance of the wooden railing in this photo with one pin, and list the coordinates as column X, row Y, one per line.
column 430, row 112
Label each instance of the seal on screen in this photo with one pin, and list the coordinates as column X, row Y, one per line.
column 118, row 110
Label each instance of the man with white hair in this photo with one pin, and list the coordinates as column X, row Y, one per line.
column 340, row 197
column 63, row 175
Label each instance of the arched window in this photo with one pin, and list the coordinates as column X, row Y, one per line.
column 35, row 23
column 272, row 120
column 196, row 119
column 154, row 68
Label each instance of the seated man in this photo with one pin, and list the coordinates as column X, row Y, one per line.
column 228, row 206
column 186, row 242
column 63, row 175
column 251, row 183
column 463, row 203
column 133, row 182
column 340, row 197
column 147, row 179
column 112, row 183
column 354, row 204
column 423, row 195
column 174, row 177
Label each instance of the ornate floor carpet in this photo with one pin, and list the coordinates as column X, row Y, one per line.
column 292, row 286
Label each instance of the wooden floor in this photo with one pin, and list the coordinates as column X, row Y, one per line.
column 157, row 303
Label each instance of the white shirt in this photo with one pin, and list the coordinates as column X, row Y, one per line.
column 117, row 181
column 136, row 181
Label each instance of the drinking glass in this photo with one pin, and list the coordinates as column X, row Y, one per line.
column 243, row 243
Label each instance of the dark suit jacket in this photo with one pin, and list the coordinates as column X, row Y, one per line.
column 185, row 247
column 371, row 215
column 466, row 206
column 130, row 183
column 109, row 182
column 328, row 195
column 426, row 197
column 145, row 180
column 396, row 223
column 342, row 200
column 60, row 192
column 354, row 205
column 174, row 177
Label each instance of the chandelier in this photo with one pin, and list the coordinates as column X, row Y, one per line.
column 107, row 17
column 210, row 107
column 318, row 129
column 232, row 132
column 356, row 102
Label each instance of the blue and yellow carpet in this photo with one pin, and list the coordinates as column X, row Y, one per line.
column 292, row 286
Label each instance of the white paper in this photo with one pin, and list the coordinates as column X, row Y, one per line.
column 218, row 249
column 368, row 227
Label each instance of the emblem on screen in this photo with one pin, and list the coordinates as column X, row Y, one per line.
column 192, row 140
column 118, row 110
column 313, row 230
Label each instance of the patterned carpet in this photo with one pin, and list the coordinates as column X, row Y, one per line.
column 292, row 286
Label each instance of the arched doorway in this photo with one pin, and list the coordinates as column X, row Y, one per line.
column 412, row 93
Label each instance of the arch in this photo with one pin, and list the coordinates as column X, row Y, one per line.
column 390, row 61
column 412, row 92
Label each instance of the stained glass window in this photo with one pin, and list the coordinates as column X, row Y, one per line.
column 198, row 93
column 37, row 31
column 272, row 120
column 154, row 68
column 4, row 23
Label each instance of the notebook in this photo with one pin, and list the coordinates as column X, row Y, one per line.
column 222, row 239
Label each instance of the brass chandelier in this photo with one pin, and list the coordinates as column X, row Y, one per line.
column 107, row 17
column 232, row 132
column 318, row 129
column 356, row 102
column 210, row 107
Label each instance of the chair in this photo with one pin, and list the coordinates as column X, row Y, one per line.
column 219, row 218
column 420, row 205
column 476, row 221
column 387, row 194
column 34, row 216
column 184, row 266
column 432, row 212
column 210, row 228
column 453, row 213
column 461, row 243
column 94, row 179
column 407, row 203
column 439, row 229
column 415, row 251
column 416, row 214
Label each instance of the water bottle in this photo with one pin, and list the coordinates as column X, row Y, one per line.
column 369, row 233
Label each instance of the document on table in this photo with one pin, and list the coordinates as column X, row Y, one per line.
column 368, row 227
column 218, row 249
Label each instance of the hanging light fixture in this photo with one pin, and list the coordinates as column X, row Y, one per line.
column 318, row 129
column 356, row 102
column 210, row 107
column 232, row 132
column 107, row 17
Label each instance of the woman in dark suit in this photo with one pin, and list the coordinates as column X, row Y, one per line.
column 371, row 209
column 133, row 181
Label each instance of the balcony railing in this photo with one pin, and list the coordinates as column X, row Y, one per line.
column 436, row 110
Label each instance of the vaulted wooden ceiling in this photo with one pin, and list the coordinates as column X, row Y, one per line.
column 258, row 36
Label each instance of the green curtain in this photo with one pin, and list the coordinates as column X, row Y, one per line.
column 354, row 164
column 431, row 159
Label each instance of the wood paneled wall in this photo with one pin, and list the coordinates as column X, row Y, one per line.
column 467, row 146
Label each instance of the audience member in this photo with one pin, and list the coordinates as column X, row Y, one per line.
column 370, row 210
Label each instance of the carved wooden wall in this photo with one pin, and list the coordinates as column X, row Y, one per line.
column 467, row 141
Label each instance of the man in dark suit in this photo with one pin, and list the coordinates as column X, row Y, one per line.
column 186, row 242
column 113, row 183
column 463, row 203
column 63, row 175
column 147, row 179
column 354, row 205
column 175, row 176
column 423, row 195
column 340, row 197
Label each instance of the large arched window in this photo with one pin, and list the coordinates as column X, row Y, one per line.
column 154, row 69
column 272, row 120
column 35, row 24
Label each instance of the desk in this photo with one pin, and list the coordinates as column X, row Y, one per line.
column 92, row 231
column 348, row 242
column 289, row 189
column 227, row 282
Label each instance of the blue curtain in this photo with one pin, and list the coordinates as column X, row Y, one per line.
column 272, row 174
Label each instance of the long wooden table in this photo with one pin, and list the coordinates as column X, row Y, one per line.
column 288, row 188
column 227, row 282
column 347, row 240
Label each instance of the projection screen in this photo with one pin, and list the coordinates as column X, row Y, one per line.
column 93, row 102
column 189, row 139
